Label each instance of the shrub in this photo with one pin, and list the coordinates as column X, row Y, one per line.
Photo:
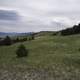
column 0, row 38
column 25, row 39
column 17, row 39
column 32, row 37
column 22, row 51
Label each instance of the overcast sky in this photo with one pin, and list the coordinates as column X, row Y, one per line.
column 37, row 15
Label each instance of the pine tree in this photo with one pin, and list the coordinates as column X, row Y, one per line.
column 7, row 41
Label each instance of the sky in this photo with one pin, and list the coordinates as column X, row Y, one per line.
column 38, row 15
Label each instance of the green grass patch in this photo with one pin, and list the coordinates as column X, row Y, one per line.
column 44, row 51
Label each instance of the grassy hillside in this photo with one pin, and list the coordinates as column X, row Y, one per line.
column 50, row 57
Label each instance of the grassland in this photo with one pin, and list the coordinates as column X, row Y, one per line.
column 50, row 58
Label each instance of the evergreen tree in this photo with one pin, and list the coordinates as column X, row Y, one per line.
column 7, row 41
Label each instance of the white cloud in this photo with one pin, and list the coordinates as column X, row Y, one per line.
column 39, row 14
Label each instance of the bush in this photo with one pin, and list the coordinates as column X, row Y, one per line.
column 22, row 51
column 32, row 37
column 16, row 40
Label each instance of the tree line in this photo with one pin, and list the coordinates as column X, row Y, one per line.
column 9, row 41
column 70, row 31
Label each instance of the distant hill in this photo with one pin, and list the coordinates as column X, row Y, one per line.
column 43, row 33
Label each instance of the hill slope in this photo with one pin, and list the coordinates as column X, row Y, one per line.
column 50, row 57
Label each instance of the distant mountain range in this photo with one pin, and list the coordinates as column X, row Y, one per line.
column 3, row 34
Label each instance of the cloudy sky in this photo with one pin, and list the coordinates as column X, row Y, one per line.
column 38, row 15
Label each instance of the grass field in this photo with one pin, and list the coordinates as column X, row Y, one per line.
column 49, row 58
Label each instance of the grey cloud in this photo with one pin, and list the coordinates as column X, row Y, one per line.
column 8, row 15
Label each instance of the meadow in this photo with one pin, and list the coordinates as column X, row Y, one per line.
column 49, row 58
